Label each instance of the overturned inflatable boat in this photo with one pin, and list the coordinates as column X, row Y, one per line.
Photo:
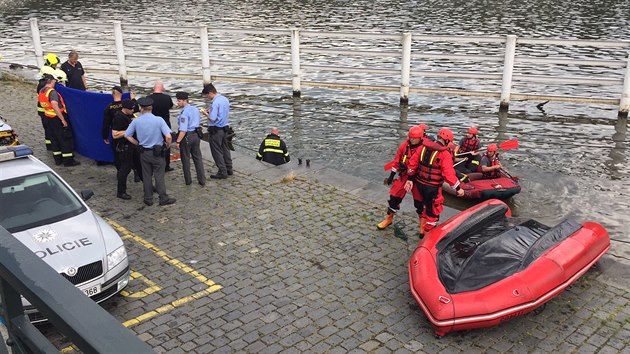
column 483, row 267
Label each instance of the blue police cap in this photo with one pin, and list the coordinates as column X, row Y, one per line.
column 145, row 102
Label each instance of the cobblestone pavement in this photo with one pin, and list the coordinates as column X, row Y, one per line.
column 254, row 264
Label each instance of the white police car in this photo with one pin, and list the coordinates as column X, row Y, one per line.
column 41, row 210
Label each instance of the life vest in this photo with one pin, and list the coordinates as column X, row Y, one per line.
column 494, row 160
column 44, row 101
column 430, row 169
column 468, row 145
column 404, row 159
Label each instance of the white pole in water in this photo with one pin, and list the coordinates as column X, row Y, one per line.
column 624, row 102
column 405, row 69
column 37, row 43
column 508, row 69
column 120, row 54
column 205, row 54
column 296, row 75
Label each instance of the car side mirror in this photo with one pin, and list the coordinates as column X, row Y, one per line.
column 87, row 194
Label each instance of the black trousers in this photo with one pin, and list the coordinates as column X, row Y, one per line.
column 61, row 140
column 129, row 160
column 47, row 134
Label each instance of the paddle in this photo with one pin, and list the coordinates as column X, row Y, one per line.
column 506, row 145
column 457, row 163
column 513, row 178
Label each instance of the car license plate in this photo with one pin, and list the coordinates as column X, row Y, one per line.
column 92, row 291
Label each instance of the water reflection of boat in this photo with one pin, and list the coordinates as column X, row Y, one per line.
column 479, row 188
column 483, row 267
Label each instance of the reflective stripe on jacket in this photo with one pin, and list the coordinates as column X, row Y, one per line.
column 432, row 165
column 430, row 171
column 273, row 150
column 44, row 101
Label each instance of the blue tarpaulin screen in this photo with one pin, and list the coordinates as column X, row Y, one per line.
column 85, row 110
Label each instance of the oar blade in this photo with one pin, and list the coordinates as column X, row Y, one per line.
column 509, row 144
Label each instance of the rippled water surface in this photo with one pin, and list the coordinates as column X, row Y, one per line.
column 572, row 159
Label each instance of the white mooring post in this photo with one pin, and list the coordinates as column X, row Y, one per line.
column 508, row 69
column 405, row 69
column 296, row 75
column 120, row 54
column 624, row 102
column 37, row 43
column 205, row 54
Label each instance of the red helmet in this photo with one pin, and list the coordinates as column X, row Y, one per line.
column 445, row 134
column 473, row 130
column 416, row 132
column 423, row 126
column 492, row 148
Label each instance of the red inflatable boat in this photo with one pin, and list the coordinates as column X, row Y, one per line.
column 479, row 188
column 483, row 267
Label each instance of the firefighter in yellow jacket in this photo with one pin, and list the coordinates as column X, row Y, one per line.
column 50, row 63
column 273, row 149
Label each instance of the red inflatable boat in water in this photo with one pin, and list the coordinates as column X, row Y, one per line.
column 483, row 267
column 479, row 188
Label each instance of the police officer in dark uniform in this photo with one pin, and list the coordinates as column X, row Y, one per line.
column 273, row 149
column 126, row 152
column 154, row 137
column 108, row 117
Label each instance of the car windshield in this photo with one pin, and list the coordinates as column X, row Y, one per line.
column 36, row 200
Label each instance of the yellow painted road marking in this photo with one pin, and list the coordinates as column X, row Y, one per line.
column 152, row 287
column 212, row 286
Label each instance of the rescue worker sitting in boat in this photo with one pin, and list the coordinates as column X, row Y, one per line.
column 468, row 147
column 490, row 165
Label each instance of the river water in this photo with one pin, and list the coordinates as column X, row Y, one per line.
column 572, row 159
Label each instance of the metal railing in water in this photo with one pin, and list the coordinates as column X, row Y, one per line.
column 400, row 49
column 75, row 315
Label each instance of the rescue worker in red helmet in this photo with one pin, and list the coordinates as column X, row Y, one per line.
column 490, row 163
column 429, row 167
column 468, row 144
column 397, row 191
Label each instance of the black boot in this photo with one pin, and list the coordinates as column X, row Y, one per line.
column 70, row 161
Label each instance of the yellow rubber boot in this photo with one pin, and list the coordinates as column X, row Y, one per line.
column 386, row 222
column 423, row 222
